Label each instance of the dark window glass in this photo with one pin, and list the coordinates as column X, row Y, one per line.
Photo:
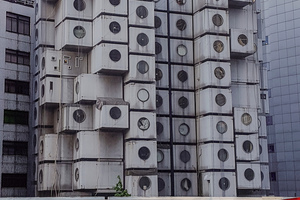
column 142, row 12
column 114, row 27
column 183, row 102
column 14, row 180
column 17, row 23
column 158, row 74
column 269, row 120
column 115, row 112
column 15, row 148
column 79, row 115
column 159, row 128
column 115, row 55
column 158, row 48
column 182, row 75
column 161, row 184
column 249, row 174
column 144, row 153
column 79, row 5
column 273, row 176
column 157, row 22
column 16, row 117
column 114, row 2
column 181, row 25
column 159, row 101
column 185, row 156
column 186, row 184
column 144, row 183
column 16, row 87
column 17, row 57
column 271, row 148
column 224, row 183
column 142, row 39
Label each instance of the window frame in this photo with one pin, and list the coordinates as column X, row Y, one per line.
column 17, row 57
column 15, row 148
column 17, row 87
column 19, row 24
column 16, row 117
column 14, row 180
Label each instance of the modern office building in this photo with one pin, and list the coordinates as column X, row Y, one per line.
column 281, row 21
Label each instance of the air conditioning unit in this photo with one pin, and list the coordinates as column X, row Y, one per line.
column 215, row 128
column 42, row 116
column 182, row 77
column 44, row 10
column 264, row 102
column 56, row 90
column 262, row 126
column 263, row 77
column 212, row 74
column 141, row 68
column 141, row 13
column 100, row 176
column 217, row 48
column 142, row 125
column 185, row 157
column 140, row 96
column 162, row 129
column 245, row 120
column 239, row 3
column 211, row 21
column 71, row 34
column 245, row 95
column 160, row 23
column 216, row 156
column 107, row 86
column 248, row 176
column 109, row 7
column 44, row 34
column 182, row 25
column 184, row 130
column 163, row 157
column 162, row 76
column 242, row 43
column 263, row 150
column 198, row 5
column 182, row 51
column 185, row 184
column 141, row 40
column 161, row 5
column 218, row 184
column 213, row 100
column 140, row 154
column 243, row 71
column 53, row 176
column 81, row 10
column 98, row 145
column 185, row 6
column 161, row 49
column 142, row 186
column 162, row 102
column 265, row 179
column 164, row 184
column 183, row 103
column 247, row 147
column 110, row 28
column 111, row 114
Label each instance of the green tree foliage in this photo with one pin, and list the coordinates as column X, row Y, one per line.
column 120, row 191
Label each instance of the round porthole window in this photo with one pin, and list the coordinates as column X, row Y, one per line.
column 184, row 129
column 220, row 99
column 35, row 113
column 181, row 24
column 43, row 63
column 115, row 55
column 158, row 74
column 144, row 153
column 159, row 101
column 77, row 144
column 248, row 146
column 218, row 46
column 114, row 2
column 115, row 113
column 114, row 27
column 79, row 5
column 43, row 90
column 217, row 20
column 34, row 140
column 182, row 75
column 161, row 184
column 183, row 102
column 41, row 176
column 77, row 87
column 142, row 12
column 243, row 40
column 260, row 149
column 143, row 95
column 79, row 32
column 76, row 174
column 144, row 183
column 185, row 184
column 36, row 34
column 181, row 50
column 158, row 48
column 181, row 2
column 142, row 67
column 142, row 39
column 219, row 72
column 223, row 155
column 262, row 176
column 249, row 174
column 41, row 147
column 159, row 128
column 160, row 156
column 35, row 86
column 36, row 60
column 221, row 127
column 185, row 156
column 246, row 119
column 259, row 123
column 157, row 22
column 143, row 123
column 79, row 115
column 224, row 183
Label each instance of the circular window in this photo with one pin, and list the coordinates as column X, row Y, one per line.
column 142, row 66
column 77, row 87
column 43, row 90
column 249, row 174
column 43, row 63
column 183, row 102
column 35, row 86
column 142, row 12
column 248, row 146
column 159, row 101
column 223, row 155
column 143, row 95
column 161, row 184
column 144, row 183
column 185, row 156
column 260, row 149
column 243, row 40
column 184, row 129
column 182, row 75
column 36, row 34
column 181, row 2
column 41, row 176
column 36, row 60
column 259, row 123
column 114, row 27
column 115, row 55
column 158, row 48
column 220, row 99
column 224, row 183
column 219, row 72
column 246, row 119
column 221, row 127
column 79, row 5
column 34, row 140
column 144, row 153
column 77, row 144
column 79, row 32
column 217, row 20
column 114, row 2
column 181, row 24
column 159, row 128
column 35, row 113
column 262, row 176
column 41, row 147
column 142, row 39
column 143, row 123
column 115, row 113
column 160, row 156
column 158, row 74
column 181, row 50
column 76, row 174
column 157, row 22
column 185, row 184
column 218, row 46
column 79, row 115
